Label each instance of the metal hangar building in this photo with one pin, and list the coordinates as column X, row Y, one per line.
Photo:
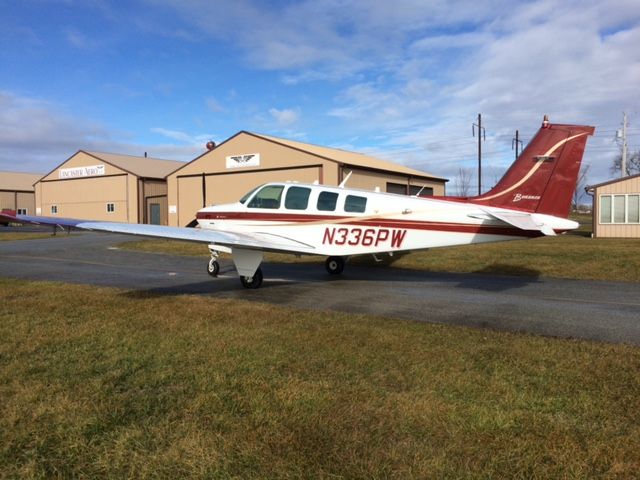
column 17, row 192
column 246, row 160
column 106, row 186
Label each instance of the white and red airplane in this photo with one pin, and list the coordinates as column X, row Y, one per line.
column 531, row 200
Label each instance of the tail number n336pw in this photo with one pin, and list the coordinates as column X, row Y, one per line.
column 366, row 237
column 532, row 199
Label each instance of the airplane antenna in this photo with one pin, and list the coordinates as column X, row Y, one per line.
column 344, row 182
column 419, row 191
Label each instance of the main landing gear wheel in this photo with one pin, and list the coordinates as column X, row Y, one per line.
column 252, row 282
column 334, row 265
column 213, row 267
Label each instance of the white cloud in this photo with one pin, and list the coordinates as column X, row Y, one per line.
column 285, row 117
column 37, row 135
column 409, row 77
column 213, row 105
column 77, row 39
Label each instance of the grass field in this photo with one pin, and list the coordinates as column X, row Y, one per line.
column 98, row 382
column 11, row 236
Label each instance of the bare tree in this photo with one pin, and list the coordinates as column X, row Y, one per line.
column 633, row 164
column 463, row 181
column 580, row 184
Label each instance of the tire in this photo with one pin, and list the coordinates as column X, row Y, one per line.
column 334, row 265
column 252, row 282
column 213, row 267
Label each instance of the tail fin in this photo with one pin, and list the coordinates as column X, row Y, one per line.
column 543, row 178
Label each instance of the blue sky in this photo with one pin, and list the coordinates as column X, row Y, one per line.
column 401, row 80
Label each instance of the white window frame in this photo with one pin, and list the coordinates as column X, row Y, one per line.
column 54, row 209
column 113, row 207
column 22, row 211
column 612, row 202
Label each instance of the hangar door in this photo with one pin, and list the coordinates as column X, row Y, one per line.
column 228, row 187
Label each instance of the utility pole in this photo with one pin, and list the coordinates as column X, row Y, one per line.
column 516, row 141
column 623, row 169
column 481, row 136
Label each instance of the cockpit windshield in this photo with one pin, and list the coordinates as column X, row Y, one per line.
column 247, row 195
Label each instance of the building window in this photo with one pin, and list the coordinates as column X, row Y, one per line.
column 355, row 204
column 297, row 198
column 620, row 208
column 54, row 209
column 327, row 201
column 111, row 207
column 22, row 211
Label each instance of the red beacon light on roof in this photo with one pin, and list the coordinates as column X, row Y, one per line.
column 210, row 145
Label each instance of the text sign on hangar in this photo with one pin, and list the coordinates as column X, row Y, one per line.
column 90, row 171
column 244, row 160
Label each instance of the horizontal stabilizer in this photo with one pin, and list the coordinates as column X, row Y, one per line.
column 523, row 221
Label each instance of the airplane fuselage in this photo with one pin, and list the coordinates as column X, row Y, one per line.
column 341, row 221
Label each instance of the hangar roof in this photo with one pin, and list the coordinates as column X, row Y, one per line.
column 18, row 181
column 610, row 182
column 140, row 166
column 349, row 158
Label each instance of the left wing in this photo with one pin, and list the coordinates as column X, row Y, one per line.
column 242, row 240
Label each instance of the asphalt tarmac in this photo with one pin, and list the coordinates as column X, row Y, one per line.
column 592, row 310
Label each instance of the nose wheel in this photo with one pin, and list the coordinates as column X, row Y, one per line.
column 334, row 265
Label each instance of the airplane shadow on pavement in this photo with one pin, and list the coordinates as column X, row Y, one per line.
column 279, row 276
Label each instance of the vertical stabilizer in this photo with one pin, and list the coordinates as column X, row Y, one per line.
column 543, row 178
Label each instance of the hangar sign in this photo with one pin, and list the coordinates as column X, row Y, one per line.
column 90, row 171
column 245, row 160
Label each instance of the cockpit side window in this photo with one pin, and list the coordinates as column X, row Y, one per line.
column 297, row 198
column 327, row 201
column 267, row 197
column 354, row 203
column 247, row 195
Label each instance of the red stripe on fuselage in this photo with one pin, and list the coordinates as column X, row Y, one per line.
column 375, row 222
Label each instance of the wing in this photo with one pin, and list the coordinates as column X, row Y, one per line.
column 241, row 240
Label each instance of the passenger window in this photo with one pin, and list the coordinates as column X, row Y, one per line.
column 327, row 201
column 297, row 198
column 355, row 204
column 268, row 197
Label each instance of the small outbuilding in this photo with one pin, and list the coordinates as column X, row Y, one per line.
column 17, row 192
column 246, row 160
column 106, row 186
column 616, row 207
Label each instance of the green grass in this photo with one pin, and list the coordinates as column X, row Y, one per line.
column 98, row 382
column 12, row 236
